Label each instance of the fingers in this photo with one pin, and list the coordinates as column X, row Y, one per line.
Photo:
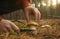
column 37, row 15
column 15, row 28
column 9, row 28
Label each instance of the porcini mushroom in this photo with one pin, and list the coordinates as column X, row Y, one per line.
column 32, row 24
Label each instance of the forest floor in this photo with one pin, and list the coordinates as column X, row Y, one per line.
column 52, row 32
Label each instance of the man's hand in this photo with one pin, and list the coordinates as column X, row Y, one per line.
column 6, row 26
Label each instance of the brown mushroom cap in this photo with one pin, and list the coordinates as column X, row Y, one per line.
column 32, row 24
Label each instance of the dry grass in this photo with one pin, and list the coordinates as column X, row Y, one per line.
column 43, row 33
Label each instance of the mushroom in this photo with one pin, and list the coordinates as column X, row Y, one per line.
column 32, row 25
column 46, row 26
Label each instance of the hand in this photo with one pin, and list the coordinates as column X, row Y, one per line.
column 6, row 26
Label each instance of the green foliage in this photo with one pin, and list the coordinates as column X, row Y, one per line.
column 21, row 25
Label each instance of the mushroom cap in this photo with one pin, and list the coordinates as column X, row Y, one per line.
column 31, row 23
column 45, row 26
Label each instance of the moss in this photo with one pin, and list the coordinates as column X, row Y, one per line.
column 21, row 25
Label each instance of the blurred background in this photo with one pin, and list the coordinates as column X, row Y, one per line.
column 50, row 9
